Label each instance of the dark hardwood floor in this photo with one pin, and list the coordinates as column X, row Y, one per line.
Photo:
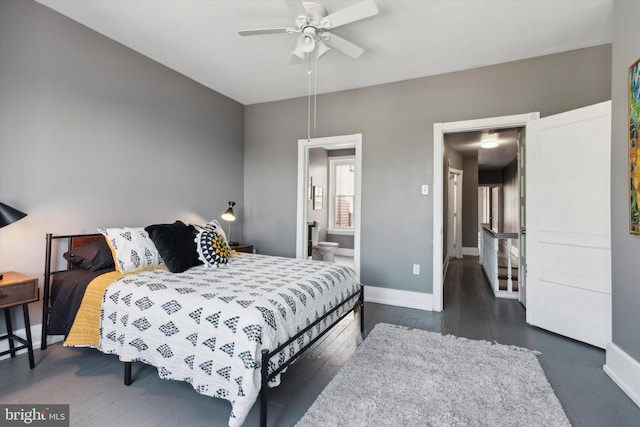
column 91, row 382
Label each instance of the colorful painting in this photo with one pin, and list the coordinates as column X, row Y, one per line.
column 634, row 149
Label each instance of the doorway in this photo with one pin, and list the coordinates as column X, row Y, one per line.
column 306, row 190
column 439, row 131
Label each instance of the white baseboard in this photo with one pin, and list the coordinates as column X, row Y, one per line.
column 399, row 298
column 345, row 252
column 624, row 370
column 470, row 251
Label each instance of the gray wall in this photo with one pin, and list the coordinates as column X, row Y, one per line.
column 396, row 121
column 624, row 247
column 470, row 202
column 93, row 134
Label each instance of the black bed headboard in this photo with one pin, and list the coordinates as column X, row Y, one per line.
column 73, row 241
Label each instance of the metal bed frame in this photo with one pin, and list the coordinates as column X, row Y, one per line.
column 75, row 240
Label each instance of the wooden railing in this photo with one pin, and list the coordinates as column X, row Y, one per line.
column 495, row 258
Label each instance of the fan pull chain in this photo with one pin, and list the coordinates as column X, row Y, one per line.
column 315, row 93
column 309, row 102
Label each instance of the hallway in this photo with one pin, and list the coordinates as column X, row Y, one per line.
column 574, row 369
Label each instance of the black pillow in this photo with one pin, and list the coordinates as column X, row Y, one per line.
column 176, row 245
column 92, row 256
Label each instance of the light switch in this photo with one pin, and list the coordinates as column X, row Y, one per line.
column 425, row 189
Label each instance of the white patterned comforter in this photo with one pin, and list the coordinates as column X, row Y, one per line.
column 208, row 326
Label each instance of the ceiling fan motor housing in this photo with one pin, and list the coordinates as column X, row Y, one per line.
column 315, row 13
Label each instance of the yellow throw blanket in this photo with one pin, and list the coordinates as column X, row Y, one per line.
column 85, row 331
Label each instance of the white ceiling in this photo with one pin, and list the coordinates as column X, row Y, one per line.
column 407, row 39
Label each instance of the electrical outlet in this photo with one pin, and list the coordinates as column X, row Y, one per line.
column 416, row 269
column 425, row 189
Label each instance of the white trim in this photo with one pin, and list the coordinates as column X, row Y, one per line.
column 455, row 248
column 333, row 143
column 333, row 162
column 345, row 252
column 624, row 370
column 471, row 251
column 348, row 232
column 408, row 299
column 439, row 129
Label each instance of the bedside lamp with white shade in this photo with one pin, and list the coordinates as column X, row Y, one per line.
column 229, row 216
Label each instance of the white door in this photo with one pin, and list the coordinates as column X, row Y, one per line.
column 568, row 243
column 522, row 243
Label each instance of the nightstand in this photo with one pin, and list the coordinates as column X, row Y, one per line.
column 18, row 289
column 242, row 248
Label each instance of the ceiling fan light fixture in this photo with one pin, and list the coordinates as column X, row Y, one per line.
column 307, row 40
column 299, row 53
column 322, row 48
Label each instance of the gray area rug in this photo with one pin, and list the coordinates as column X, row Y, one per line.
column 409, row 377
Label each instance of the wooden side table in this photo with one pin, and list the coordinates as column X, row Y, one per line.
column 242, row 248
column 18, row 289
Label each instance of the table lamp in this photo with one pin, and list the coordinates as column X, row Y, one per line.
column 9, row 215
column 229, row 216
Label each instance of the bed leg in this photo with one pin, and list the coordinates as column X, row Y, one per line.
column 362, row 310
column 264, row 387
column 127, row 373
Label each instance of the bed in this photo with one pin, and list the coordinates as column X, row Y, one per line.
column 230, row 331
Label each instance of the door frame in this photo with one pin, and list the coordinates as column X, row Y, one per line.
column 329, row 143
column 456, row 202
column 439, row 130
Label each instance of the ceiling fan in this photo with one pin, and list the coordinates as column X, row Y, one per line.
column 313, row 22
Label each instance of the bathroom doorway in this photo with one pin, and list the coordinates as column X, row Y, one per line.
column 329, row 182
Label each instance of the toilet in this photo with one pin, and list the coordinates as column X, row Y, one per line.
column 323, row 251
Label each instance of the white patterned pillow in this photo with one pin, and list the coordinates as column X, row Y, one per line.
column 132, row 248
column 214, row 226
column 212, row 247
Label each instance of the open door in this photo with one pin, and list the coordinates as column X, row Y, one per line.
column 522, row 220
column 568, row 234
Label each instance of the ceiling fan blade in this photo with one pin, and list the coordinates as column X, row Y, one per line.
column 353, row 13
column 296, row 7
column 344, row 46
column 262, row 31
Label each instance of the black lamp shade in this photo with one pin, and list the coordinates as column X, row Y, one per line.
column 9, row 215
column 228, row 215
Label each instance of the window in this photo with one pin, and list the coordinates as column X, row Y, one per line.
column 341, row 198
